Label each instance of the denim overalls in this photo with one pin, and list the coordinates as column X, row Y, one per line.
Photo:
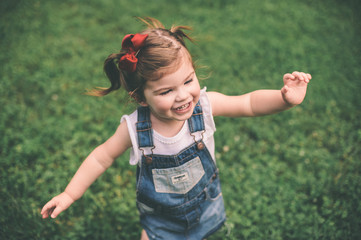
column 178, row 196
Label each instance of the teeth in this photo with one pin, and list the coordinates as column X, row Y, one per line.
column 182, row 107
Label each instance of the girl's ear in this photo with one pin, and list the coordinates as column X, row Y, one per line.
column 138, row 99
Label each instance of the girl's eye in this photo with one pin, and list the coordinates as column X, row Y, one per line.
column 189, row 81
column 165, row 92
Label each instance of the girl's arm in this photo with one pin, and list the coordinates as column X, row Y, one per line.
column 93, row 166
column 262, row 102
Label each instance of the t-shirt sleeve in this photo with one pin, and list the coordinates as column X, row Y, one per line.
column 134, row 153
column 207, row 113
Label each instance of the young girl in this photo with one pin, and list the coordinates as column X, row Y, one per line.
column 171, row 134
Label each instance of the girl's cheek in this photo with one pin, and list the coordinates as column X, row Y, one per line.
column 165, row 102
column 160, row 102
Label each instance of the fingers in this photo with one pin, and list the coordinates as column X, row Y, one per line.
column 306, row 77
column 46, row 209
column 288, row 76
column 56, row 212
column 52, row 209
column 48, row 212
column 57, row 205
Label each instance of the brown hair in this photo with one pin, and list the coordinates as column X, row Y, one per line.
column 159, row 55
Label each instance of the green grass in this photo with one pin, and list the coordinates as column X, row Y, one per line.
column 294, row 175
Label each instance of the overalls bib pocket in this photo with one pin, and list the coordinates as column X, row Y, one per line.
column 179, row 179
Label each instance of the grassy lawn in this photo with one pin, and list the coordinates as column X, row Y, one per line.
column 293, row 175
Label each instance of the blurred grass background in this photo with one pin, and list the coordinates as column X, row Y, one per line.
column 294, row 175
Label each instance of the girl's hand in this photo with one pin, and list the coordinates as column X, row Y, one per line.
column 295, row 86
column 57, row 205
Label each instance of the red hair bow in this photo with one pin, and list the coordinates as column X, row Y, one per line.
column 132, row 43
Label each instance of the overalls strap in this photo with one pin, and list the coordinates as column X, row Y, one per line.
column 196, row 122
column 144, row 128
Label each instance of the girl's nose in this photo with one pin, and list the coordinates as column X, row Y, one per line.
column 181, row 95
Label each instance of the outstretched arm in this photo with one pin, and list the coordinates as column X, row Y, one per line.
column 262, row 102
column 93, row 166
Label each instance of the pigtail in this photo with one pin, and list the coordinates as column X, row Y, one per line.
column 151, row 23
column 114, row 75
column 178, row 32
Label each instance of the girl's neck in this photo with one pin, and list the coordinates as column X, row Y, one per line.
column 168, row 128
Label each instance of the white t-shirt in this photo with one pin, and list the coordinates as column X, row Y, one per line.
column 173, row 145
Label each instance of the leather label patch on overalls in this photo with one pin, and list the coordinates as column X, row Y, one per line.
column 180, row 178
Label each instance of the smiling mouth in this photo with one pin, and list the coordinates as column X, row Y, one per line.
column 183, row 107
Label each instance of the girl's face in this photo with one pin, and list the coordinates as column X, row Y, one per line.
column 174, row 96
